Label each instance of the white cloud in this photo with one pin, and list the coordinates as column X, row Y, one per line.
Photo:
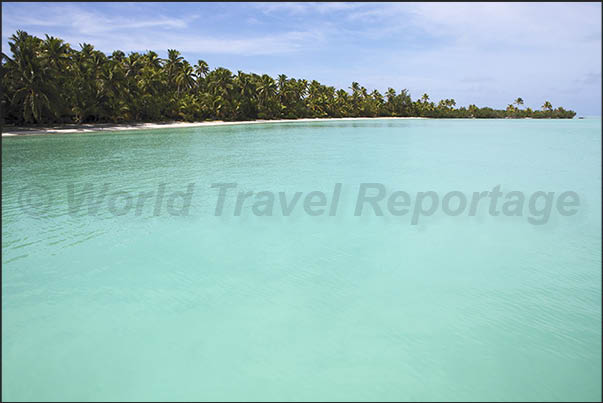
column 77, row 20
column 307, row 8
column 131, row 33
column 261, row 45
column 477, row 52
column 537, row 51
column 518, row 23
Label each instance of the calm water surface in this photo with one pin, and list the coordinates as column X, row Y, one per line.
column 198, row 307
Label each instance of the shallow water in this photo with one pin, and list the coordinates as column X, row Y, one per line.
column 299, row 307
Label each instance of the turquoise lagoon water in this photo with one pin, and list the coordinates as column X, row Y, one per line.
column 299, row 307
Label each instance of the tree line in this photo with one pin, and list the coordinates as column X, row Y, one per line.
column 48, row 81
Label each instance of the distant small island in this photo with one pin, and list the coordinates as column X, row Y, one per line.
column 46, row 81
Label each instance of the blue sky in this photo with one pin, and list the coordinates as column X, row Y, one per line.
column 482, row 53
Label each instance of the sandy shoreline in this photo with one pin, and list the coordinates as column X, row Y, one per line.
column 109, row 127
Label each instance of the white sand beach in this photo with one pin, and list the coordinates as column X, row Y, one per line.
column 109, row 127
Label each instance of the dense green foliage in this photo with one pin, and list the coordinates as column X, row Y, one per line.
column 47, row 81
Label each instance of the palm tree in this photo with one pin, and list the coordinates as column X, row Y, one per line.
column 46, row 80
column 32, row 84
column 185, row 80
column 282, row 83
column 377, row 103
column 152, row 60
column 34, row 98
column 201, row 68
column 56, row 52
column 173, row 65
column 220, row 87
column 390, row 94
column 390, row 105
column 132, row 65
column 266, row 88
column 117, row 55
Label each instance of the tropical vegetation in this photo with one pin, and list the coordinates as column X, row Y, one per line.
column 48, row 81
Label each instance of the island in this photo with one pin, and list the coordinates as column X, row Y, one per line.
column 47, row 81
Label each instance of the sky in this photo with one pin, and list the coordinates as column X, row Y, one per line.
column 482, row 53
